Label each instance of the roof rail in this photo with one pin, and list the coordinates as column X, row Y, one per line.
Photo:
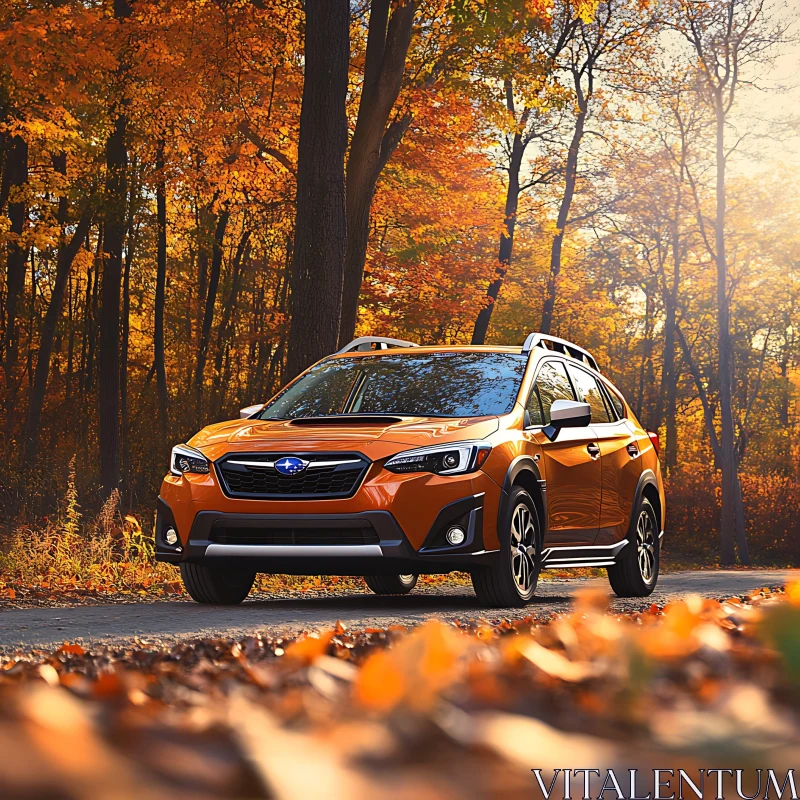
column 559, row 346
column 364, row 343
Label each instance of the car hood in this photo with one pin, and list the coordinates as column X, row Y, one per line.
column 254, row 435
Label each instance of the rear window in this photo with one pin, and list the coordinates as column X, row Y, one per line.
column 424, row 385
column 616, row 402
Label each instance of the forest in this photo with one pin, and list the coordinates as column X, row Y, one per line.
column 200, row 198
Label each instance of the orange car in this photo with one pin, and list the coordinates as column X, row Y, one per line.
column 389, row 460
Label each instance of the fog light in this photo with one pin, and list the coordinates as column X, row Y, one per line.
column 455, row 535
column 171, row 536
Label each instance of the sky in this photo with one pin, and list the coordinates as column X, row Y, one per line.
column 776, row 111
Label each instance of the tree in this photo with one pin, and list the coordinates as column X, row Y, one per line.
column 320, row 238
column 728, row 39
column 373, row 143
column 159, row 354
column 67, row 250
column 15, row 178
column 538, row 120
column 611, row 44
column 116, row 197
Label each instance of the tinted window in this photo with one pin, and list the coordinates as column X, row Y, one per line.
column 425, row 385
column 534, row 408
column 589, row 392
column 617, row 403
column 553, row 384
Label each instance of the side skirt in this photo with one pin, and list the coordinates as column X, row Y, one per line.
column 603, row 555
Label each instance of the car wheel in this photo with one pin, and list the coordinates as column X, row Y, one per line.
column 217, row 585
column 636, row 572
column 512, row 582
column 391, row 584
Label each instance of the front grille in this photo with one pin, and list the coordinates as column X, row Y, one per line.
column 258, row 477
column 298, row 536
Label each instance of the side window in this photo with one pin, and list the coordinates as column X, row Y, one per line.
column 534, row 408
column 553, row 384
column 616, row 402
column 589, row 391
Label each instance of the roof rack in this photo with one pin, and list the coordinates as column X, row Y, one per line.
column 548, row 342
column 365, row 343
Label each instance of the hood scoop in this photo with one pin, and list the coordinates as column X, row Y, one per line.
column 346, row 419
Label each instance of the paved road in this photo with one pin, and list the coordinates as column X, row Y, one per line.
column 170, row 621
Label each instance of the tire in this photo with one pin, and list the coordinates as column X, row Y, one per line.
column 512, row 582
column 391, row 584
column 636, row 572
column 217, row 585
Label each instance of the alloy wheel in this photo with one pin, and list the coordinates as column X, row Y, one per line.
column 523, row 549
column 646, row 546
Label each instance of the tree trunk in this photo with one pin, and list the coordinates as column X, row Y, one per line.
column 731, row 534
column 67, row 251
column 506, row 242
column 16, row 174
column 208, row 316
column 108, row 349
column 669, row 391
column 570, row 179
column 510, row 222
column 647, row 358
column 159, row 356
column 130, row 242
column 91, row 315
column 116, row 196
column 321, row 227
column 387, row 47
column 70, row 341
column 229, row 306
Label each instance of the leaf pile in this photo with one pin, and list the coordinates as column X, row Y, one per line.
column 463, row 710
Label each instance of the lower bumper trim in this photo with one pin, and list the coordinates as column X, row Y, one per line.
column 292, row 551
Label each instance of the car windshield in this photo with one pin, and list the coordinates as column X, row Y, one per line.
column 425, row 385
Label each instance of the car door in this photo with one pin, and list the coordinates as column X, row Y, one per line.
column 619, row 457
column 570, row 464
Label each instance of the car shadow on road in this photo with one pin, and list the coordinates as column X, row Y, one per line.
column 373, row 604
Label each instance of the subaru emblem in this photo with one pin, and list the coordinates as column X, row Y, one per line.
column 290, row 465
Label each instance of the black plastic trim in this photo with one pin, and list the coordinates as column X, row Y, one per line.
column 518, row 465
column 165, row 519
column 398, row 556
column 277, row 454
column 469, row 513
column 647, row 478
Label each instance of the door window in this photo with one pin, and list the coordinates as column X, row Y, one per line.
column 552, row 384
column 534, row 408
column 589, row 392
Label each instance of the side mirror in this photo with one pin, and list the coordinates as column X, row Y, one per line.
column 567, row 414
column 246, row 413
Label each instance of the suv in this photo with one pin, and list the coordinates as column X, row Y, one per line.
column 390, row 460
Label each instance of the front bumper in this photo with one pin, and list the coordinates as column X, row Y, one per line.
column 279, row 543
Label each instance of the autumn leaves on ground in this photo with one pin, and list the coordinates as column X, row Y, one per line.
column 440, row 711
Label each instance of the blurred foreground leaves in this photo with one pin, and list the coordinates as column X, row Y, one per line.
column 439, row 711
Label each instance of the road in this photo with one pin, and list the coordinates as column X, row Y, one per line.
column 165, row 622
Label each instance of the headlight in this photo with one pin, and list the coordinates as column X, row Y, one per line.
column 443, row 459
column 187, row 459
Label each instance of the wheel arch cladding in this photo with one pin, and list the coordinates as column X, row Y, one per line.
column 649, row 488
column 524, row 472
